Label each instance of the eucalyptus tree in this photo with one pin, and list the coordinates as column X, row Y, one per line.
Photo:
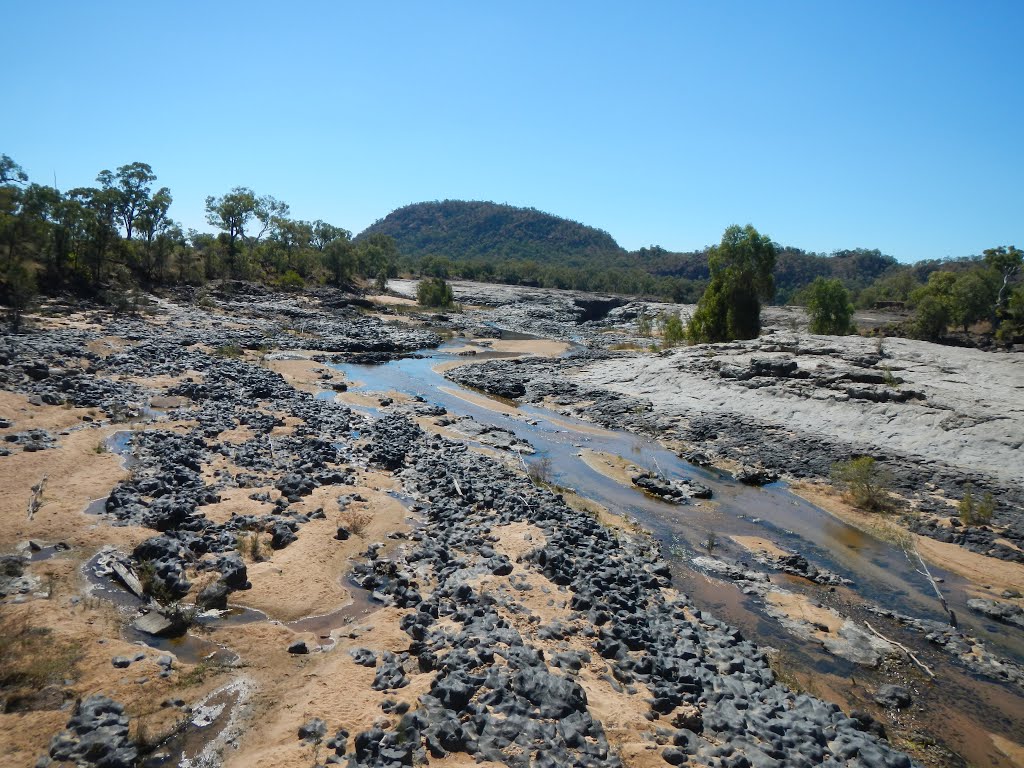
column 131, row 191
column 244, row 218
column 741, row 278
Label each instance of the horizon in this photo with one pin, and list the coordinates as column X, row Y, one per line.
column 827, row 128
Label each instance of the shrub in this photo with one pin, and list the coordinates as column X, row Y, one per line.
column 976, row 513
column 643, row 326
column 673, row 331
column 291, row 281
column 228, row 350
column 251, row 545
column 356, row 522
column 829, row 307
column 865, row 482
column 434, row 292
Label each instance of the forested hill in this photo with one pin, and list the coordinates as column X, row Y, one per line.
column 503, row 243
column 468, row 230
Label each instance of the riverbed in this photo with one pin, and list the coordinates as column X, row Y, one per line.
column 981, row 710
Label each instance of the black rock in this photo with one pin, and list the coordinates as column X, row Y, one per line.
column 893, row 697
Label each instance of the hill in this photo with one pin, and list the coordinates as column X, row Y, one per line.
column 468, row 230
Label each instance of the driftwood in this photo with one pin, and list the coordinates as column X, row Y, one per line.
column 36, row 500
column 128, row 578
column 903, row 648
column 923, row 570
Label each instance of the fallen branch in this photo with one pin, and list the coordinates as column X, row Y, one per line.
column 923, row 570
column 36, row 500
column 903, row 648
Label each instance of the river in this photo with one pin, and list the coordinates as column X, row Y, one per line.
column 959, row 710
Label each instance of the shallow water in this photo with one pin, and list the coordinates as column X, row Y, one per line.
column 881, row 572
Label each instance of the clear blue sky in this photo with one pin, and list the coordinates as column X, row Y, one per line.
column 890, row 125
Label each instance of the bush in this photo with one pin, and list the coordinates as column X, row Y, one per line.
column 355, row 521
column 931, row 319
column 865, row 482
column 976, row 513
column 291, row 281
column 673, row 331
column 643, row 325
column 829, row 307
column 434, row 292
column 228, row 350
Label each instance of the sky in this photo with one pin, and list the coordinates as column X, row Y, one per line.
column 826, row 125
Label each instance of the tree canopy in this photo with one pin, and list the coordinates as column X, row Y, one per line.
column 741, row 278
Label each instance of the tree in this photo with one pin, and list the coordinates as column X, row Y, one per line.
column 972, row 297
column 339, row 257
column 741, row 277
column 1006, row 261
column 153, row 222
column 933, row 306
column 377, row 256
column 243, row 217
column 131, row 192
column 434, row 292
column 828, row 304
column 20, row 289
column 97, row 219
column 866, row 483
column 11, row 172
column 931, row 318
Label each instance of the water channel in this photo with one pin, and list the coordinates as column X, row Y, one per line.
column 962, row 709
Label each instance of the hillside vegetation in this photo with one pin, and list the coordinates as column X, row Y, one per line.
column 108, row 240
column 463, row 231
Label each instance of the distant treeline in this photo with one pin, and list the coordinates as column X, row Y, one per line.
column 522, row 246
column 108, row 239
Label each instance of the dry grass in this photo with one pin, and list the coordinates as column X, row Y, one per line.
column 355, row 521
column 32, row 657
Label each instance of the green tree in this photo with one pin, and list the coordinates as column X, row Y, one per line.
column 153, row 223
column 434, row 292
column 232, row 213
column 378, row 255
column 11, row 172
column 972, row 297
column 741, row 278
column 1006, row 260
column 829, row 307
column 931, row 318
column 1011, row 326
column 20, row 292
column 130, row 190
column 244, row 218
column 96, row 227
column 340, row 259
